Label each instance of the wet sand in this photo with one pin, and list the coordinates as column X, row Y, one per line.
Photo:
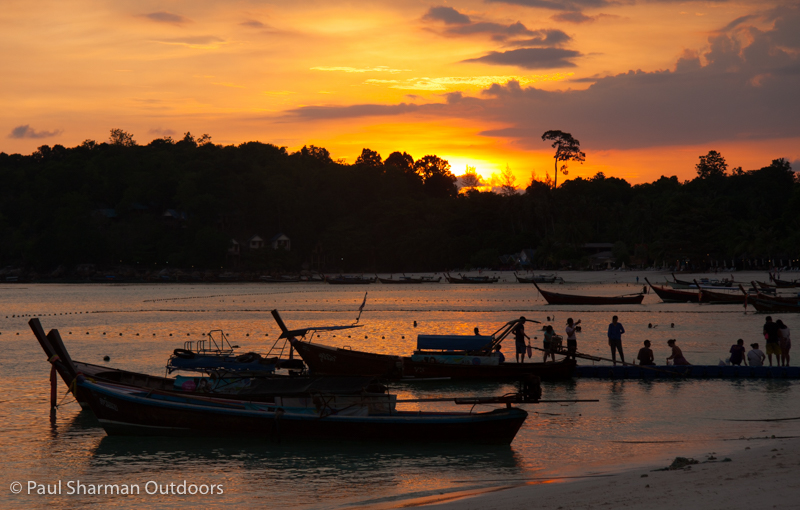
column 761, row 473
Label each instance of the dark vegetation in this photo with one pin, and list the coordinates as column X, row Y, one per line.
column 104, row 204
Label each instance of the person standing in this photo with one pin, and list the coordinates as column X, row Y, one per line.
column 645, row 356
column 756, row 356
column 572, row 340
column 547, row 343
column 738, row 353
column 519, row 340
column 784, row 341
column 773, row 342
column 615, row 331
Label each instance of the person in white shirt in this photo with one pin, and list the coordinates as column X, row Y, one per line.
column 756, row 357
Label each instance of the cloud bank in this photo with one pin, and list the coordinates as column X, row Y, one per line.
column 25, row 131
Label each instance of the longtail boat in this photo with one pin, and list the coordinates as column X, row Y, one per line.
column 783, row 284
column 471, row 279
column 673, row 295
column 772, row 305
column 722, row 298
column 437, row 356
column 703, row 283
column 144, row 413
column 555, row 298
column 349, row 280
column 230, row 386
column 542, row 278
column 409, row 279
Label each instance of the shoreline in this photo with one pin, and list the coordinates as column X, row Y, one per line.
column 761, row 473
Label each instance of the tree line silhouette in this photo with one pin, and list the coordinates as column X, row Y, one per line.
column 178, row 204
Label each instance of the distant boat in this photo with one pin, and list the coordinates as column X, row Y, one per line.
column 541, row 278
column 673, row 295
column 784, row 284
column 776, row 305
column 408, row 279
column 702, row 283
column 555, row 298
column 715, row 297
column 471, row 279
column 279, row 279
column 349, row 280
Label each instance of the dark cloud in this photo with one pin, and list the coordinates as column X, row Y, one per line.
column 738, row 21
column 166, row 17
column 161, row 132
column 447, row 15
column 253, row 24
column 530, row 58
column 494, row 29
column 543, row 38
column 745, row 90
column 25, row 131
column 576, row 17
column 557, row 5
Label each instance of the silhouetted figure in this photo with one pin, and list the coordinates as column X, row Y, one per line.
column 645, row 355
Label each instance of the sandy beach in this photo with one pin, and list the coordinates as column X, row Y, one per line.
column 761, row 473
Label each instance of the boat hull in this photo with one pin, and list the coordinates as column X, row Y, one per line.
column 554, row 298
column 122, row 413
column 323, row 360
column 674, row 296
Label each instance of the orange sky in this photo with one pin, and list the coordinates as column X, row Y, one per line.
column 415, row 76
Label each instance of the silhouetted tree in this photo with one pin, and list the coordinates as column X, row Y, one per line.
column 436, row 176
column 122, row 138
column 567, row 149
column 369, row 158
column 319, row 153
column 402, row 161
column 470, row 179
column 508, row 183
column 711, row 165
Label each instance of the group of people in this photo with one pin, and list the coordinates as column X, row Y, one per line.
column 778, row 342
column 776, row 334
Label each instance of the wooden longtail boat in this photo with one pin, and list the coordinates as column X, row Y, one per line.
column 409, row 279
column 471, row 279
column 434, row 362
column 784, row 284
column 262, row 389
column 722, row 298
column 673, row 295
column 771, row 305
column 539, row 279
column 554, row 298
column 704, row 282
column 126, row 412
column 349, row 280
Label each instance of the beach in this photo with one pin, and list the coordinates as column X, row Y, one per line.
column 755, row 473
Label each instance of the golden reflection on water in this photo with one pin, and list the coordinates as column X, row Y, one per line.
column 138, row 326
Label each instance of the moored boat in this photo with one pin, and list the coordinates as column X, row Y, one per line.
column 409, row 280
column 437, row 356
column 555, row 298
column 471, row 279
column 783, row 284
column 349, row 280
column 541, row 278
column 137, row 412
column 674, row 295
column 716, row 297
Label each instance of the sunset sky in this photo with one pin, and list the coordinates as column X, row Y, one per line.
column 647, row 86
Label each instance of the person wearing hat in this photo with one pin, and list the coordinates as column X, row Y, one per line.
column 677, row 355
column 756, row 357
column 645, row 355
column 519, row 339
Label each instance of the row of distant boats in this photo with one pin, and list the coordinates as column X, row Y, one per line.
column 762, row 296
column 361, row 280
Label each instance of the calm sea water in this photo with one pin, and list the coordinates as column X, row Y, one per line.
column 138, row 326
